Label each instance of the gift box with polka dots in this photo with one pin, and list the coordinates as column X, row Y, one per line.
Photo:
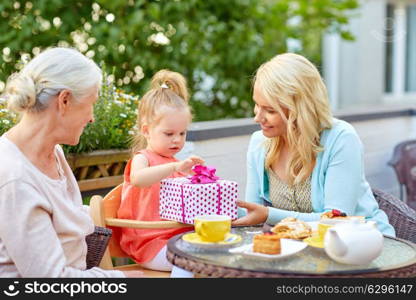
column 182, row 201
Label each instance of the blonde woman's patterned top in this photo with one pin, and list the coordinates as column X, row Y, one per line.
column 294, row 198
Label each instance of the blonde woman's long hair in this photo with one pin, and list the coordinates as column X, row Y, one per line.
column 291, row 81
column 167, row 89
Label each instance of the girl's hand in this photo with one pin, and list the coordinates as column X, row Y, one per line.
column 185, row 166
column 256, row 214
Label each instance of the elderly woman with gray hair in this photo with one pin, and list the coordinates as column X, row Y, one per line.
column 44, row 223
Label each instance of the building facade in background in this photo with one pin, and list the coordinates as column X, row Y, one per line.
column 379, row 67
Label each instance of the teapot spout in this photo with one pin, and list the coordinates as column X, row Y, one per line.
column 334, row 244
column 372, row 224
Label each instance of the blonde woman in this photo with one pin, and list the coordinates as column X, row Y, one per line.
column 303, row 162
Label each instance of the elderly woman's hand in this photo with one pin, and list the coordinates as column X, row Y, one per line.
column 256, row 214
column 133, row 274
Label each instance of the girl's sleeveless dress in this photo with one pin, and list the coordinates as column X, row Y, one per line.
column 143, row 204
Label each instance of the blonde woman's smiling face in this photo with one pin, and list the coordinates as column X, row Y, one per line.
column 271, row 122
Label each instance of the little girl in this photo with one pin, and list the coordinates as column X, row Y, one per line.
column 164, row 115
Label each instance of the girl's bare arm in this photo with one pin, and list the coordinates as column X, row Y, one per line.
column 141, row 175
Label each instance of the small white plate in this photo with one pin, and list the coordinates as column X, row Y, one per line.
column 288, row 248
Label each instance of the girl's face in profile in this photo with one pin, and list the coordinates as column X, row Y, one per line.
column 168, row 136
column 271, row 122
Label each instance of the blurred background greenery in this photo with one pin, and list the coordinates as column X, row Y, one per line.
column 114, row 122
column 216, row 44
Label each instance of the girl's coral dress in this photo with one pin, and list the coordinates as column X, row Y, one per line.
column 143, row 204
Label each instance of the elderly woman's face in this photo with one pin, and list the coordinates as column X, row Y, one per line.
column 80, row 113
column 271, row 122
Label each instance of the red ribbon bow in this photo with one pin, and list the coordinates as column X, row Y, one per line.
column 204, row 174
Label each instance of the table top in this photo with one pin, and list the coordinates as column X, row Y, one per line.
column 398, row 259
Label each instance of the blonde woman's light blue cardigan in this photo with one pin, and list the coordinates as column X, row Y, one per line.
column 337, row 182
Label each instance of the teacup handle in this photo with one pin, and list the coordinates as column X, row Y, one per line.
column 198, row 228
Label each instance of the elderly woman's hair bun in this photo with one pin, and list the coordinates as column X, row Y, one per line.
column 21, row 92
column 50, row 72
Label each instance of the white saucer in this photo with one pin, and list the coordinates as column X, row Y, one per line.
column 288, row 248
column 193, row 238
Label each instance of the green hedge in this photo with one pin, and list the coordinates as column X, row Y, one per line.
column 216, row 44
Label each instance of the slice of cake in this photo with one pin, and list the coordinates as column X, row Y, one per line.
column 267, row 243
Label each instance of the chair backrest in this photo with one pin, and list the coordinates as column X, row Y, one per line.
column 111, row 203
column 97, row 243
column 404, row 164
column 102, row 208
column 401, row 216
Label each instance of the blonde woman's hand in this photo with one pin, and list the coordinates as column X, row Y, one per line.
column 185, row 166
column 256, row 214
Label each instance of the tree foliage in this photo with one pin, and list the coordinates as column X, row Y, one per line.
column 216, row 44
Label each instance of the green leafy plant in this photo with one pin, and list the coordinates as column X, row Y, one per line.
column 114, row 122
column 216, row 44
column 7, row 118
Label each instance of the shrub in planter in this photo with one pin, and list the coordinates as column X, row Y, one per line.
column 7, row 118
column 106, row 141
column 115, row 118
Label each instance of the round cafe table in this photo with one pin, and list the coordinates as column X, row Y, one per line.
column 398, row 259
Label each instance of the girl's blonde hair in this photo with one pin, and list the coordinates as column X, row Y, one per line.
column 291, row 81
column 50, row 72
column 167, row 89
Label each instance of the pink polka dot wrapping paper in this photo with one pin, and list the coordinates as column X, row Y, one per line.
column 182, row 201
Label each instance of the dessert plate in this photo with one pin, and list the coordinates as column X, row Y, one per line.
column 288, row 247
column 230, row 239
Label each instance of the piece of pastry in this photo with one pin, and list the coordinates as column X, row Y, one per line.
column 292, row 228
column 267, row 243
column 337, row 214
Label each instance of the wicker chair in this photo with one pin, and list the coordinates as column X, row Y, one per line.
column 404, row 164
column 104, row 213
column 401, row 216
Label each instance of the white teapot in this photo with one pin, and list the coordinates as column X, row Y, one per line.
column 354, row 242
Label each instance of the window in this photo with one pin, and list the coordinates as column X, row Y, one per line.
column 400, row 46
column 389, row 48
column 411, row 50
